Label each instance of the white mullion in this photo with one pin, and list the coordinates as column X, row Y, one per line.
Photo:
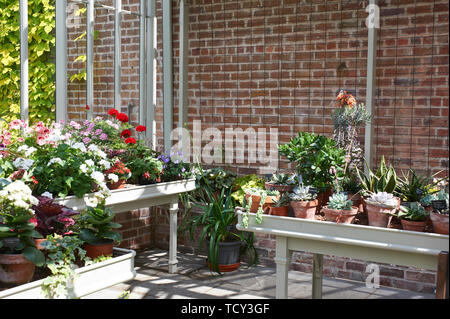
column 24, row 112
column 151, row 72
column 142, row 65
column 167, row 74
column 61, row 60
column 90, row 58
column 117, row 54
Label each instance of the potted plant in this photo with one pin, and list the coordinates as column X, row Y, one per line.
column 260, row 197
column 439, row 214
column 52, row 218
column 242, row 183
column 303, row 202
column 281, row 182
column 117, row 175
column 18, row 254
column 413, row 217
column 314, row 157
column 280, row 206
column 224, row 243
column 97, row 229
column 380, row 207
column 339, row 209
column 412, row 187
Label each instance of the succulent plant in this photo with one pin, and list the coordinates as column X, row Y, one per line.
column 383, row 198
column 302, row 193
column 414, row 212
column 283, row 179
column 340, row 202
column 282, row 201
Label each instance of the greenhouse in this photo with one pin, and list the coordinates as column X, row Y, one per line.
column 224, row 149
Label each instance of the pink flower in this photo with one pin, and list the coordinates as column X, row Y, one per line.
column 103, row 136
column 16, row 124
column 40, row 140
column 86, row 140
column 75, row 125
column 98, row 131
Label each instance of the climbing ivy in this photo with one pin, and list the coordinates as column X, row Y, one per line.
column 41, row 44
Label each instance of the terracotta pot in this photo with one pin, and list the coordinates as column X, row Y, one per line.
column 440, row 223
column 278, row 211
column 357, row 200
column 117, row 185
column 281, row 188
column 38, row 242
column 97, row 250
column 378, row 215
column 305, row 209
column 413, row 225
column 340, row 216
column 15, row 269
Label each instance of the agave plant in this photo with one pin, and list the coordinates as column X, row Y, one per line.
column 415, row 212
column 283, row 179
column 282, row 201
column 412, row 187
column 383, row 180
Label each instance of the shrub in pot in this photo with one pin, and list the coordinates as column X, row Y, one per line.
column 413, row 217
column 380, row 207
column 18, row 253
column 217, row 223
column 97, row 229
column 280, row 206
column 339, row 209
column 303, row 202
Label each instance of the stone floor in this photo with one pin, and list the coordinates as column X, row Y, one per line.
column 194, row 281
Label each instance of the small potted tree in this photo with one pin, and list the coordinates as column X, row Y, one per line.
column 280, row 206
column 303, row 202
column 380, row 207
column 339, row 209
column 413, row 217
column 97, row 229
column 18, row 253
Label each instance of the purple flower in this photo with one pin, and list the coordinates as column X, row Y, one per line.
column 183, row 170
column 86, row 140
column 103, row 136
column 98, row 131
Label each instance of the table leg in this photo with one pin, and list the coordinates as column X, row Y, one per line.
column 282, row 260
column 173, row 210
column 317, row 276
column 442, row 276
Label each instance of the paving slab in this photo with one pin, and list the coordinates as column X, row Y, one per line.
column 195, row 281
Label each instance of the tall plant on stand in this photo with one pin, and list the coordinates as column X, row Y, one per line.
column 347, row 118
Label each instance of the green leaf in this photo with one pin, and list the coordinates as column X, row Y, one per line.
column 34, row 255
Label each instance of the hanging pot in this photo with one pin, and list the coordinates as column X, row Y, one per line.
column 15, row 269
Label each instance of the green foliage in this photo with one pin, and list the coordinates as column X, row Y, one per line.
column 383, row 180
column 314, row 156
column 412, row 187
column 415, row 212
column 41, row 42
column 283, row 179
column 340, row 202
column 302, row 193
column 282, row 201
column 243, row 183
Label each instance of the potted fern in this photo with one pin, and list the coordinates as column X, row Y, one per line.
column 303, row 202
column 339, row 209
column 413, row 217
column 380, row 207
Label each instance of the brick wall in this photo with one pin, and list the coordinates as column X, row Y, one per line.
column 267, row 63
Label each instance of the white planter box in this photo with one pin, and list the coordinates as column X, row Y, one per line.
column 88, row 279
column 135, row 197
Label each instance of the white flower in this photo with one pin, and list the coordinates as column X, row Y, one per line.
column 83, row 168
column 93, row 148
column 47, row 194
column 91, row 201
column 80, row 146
column 30, row 151
column 55, row 160
column 19, row 194
column 98, row 177
column 90, row 163
column 105, row 164
column 22, row 163
column 113, row 177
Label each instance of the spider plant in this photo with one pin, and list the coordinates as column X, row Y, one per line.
column 217, row 224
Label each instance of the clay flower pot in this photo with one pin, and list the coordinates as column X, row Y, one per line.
column 357, row 201
column 278, row 211
column 323, row 198
column 378, row 215
column 96, row 250
column 413, row 225
column 15, row 269
column 440, row 223
column 305, row 209
column 256, row 200
column 340, row 216
column 117, row 185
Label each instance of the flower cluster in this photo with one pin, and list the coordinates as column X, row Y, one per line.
column 118, row 171
column 344, row 99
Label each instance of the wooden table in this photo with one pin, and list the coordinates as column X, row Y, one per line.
column 135, row 197
column 385, row 245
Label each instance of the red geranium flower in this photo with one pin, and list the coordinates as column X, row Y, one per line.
column 130, row 140
column 122, row 117
column 141, row 128
column 125, row 133
column 87, row 107
column 113, row 112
